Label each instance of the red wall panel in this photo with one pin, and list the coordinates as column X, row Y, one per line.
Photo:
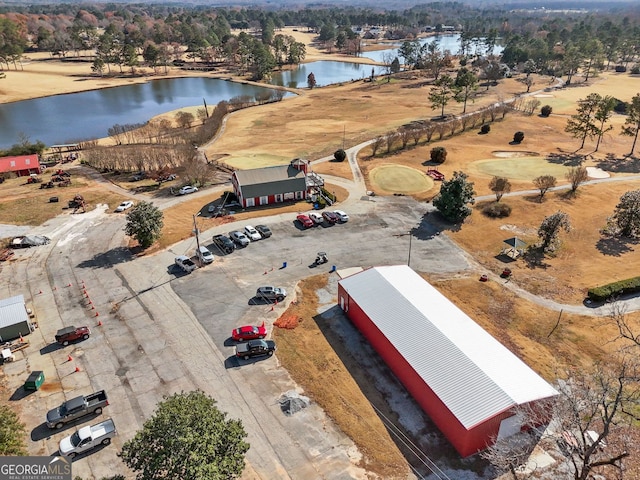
column 466, row 442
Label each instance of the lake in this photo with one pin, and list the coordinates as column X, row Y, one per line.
column 74, row 117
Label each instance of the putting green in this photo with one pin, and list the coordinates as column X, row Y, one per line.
column 519, row 168
column 400, row 179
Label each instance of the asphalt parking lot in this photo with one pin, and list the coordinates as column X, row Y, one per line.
column 163, row 331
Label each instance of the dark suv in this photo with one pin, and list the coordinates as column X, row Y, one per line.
column 330, row 217
column 224, row 243
column 70, row 334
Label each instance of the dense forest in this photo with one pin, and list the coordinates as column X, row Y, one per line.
column 124, row 36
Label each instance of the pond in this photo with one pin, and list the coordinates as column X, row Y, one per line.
column 74, row 117
column 79, row 116
column 445, row 42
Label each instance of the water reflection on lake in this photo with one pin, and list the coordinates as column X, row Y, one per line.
column 445, row 42
column 86, row 115
column 79, row 116
column 325, row 72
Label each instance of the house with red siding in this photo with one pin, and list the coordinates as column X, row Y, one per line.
column 467, row 382
column 277, row 184
column 23, row 165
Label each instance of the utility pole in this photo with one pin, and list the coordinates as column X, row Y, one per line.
column 195, row 230
column 404, row 235
column 344, row 132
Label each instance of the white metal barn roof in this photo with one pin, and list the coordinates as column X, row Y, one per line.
column 12, row 311
column 469, row 370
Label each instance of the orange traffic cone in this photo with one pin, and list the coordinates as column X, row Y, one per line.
column 69, row 358
column 69, row 285
column 97, row 314
column 40, row 292
column 77, row 369
column 99, row 323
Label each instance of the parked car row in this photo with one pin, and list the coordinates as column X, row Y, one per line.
column 88, row 437
column 249, row 234
column 308, row 220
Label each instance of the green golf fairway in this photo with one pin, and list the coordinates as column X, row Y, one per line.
column 520, row 168
column 400, row 179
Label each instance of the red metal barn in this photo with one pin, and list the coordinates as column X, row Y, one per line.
column 465, row 380
column 277, row 184
column 22, row 165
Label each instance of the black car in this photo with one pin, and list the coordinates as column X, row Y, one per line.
column 255, row 348
column 263, row 230
column 224, row 243
column 330, row 217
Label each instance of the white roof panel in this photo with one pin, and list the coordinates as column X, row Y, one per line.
column 12, row 311
column 470, row 371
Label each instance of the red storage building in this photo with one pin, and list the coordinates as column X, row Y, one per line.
column 466, row 381
column 22, row 165
column 281, row 183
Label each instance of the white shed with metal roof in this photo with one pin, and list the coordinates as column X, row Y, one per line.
column 463, row 378
column 14, row 318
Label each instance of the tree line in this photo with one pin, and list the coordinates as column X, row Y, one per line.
column 119, row 35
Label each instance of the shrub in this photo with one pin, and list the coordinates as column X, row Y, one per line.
column 484, row 129
column 518, row 137
column 620, row 107
column 635, row 70
column 546, row 110
column 438, row 154
column 496, row 210
column 605, row 292
column 340, row 155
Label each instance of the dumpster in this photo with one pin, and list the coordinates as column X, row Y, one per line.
column 35, row 380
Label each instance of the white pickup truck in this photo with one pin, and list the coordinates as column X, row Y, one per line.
column 87, row 438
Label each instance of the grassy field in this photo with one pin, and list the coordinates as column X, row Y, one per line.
column 398, row 178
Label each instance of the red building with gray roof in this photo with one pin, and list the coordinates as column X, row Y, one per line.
column 281, row 183
column 467, row 382
column 23, row 165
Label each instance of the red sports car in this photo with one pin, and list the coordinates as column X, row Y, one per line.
column 248, row 332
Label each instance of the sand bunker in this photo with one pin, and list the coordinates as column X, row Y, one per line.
column 595, row 172
column 514, row 154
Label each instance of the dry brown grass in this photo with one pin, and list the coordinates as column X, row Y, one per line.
column 312, row 361
column 27, row 204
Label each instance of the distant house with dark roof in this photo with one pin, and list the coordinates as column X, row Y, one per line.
column 277, row 184
column 22, row 165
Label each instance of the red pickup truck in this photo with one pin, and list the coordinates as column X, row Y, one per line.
column 70, row 334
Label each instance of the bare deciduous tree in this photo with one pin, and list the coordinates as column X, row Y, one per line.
column 544, row 183
column 404, row 134
column 500, row 186
column 576, row 176
column 376, row 145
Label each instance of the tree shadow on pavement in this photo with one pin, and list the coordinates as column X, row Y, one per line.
column 616, row 246
column 432, row 224
column 108, row 259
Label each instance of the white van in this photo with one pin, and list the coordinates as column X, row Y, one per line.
column 204, row 254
